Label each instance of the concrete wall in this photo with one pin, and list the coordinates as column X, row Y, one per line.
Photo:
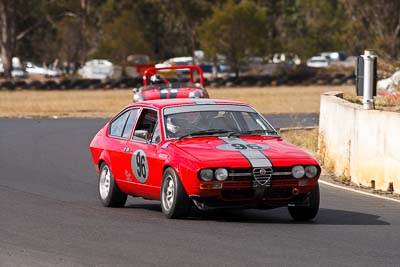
column 363, row 145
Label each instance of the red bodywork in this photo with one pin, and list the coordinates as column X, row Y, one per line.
column 166, row 91
column 189, row 155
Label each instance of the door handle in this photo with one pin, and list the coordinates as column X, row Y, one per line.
column 126, row 149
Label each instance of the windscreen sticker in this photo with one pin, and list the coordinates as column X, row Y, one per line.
column 140, row 166
column 252, row 152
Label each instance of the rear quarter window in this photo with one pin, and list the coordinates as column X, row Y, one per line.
column 117, row 125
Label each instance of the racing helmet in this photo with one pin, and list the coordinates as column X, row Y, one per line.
column 172, row 127
column 156, row 79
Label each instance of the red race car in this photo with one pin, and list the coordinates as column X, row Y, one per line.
column 157, row 87
column 205, row 153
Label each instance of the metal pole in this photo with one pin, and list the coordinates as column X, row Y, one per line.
column 368, row 99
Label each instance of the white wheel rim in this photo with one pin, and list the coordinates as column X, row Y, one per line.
column 168, row 193
column 105, row 181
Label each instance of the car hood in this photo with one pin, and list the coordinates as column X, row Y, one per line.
column 253, row 149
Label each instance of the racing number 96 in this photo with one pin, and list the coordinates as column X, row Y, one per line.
column 141, row 165
column 247, row 146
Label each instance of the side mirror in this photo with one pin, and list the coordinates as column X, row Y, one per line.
column 142, row 134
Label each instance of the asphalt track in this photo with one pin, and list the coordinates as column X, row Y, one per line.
column 293, row 120
column 50, row 216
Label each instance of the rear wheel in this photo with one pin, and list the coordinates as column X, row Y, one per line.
column 109, row 192
column 302, row 214
column 175, row 203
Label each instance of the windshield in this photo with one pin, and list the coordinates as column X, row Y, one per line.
column 242, row 121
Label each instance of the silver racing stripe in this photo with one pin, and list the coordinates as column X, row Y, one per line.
column 252, row 152
column 173, row 93
column 163, row 93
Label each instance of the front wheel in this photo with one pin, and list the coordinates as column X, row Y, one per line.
column 175, row 203
column 109, row 192
column 302, row 214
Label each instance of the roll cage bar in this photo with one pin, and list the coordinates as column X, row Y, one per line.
column 153, row 70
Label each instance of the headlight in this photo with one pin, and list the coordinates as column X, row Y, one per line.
column 221, row 174
column 194, row 94
column 138, row 97
column 298, row 171
column 206, row 175
column 311, row 171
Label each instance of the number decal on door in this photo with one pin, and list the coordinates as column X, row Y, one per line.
column 140, row 166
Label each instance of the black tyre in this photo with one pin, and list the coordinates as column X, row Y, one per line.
column 175, row 203
column 302, row 214
column 109, row 192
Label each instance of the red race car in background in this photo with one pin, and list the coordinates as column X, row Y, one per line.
column 157, row 87
column 204, row 153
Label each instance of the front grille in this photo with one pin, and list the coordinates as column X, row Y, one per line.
column 247, row 174
column 282, row 173
column 262, row 175
column 241, row 174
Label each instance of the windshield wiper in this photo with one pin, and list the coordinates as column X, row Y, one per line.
column 208, row 132
column 257, row 132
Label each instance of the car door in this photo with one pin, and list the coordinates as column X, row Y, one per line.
column 119, row 132
column 142, row 157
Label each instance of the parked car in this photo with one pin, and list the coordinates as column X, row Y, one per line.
column 211, row 71
column 155, row 86
column 54, row 72
column 318, row 62
column 176, row 61
column 333, row 56
column 18, row 69
column 288, row 58
column 202, row 153
column 99, row 69
column 137, row 64
column 35, row 69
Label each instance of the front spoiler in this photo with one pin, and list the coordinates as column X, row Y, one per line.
column 213, row 203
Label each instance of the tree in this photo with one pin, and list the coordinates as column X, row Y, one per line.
column 234, row 30
column 69, row 37
column 376, row 23
column 188, row 14
column 8, row 35
column 121, row 37
column 312, row 26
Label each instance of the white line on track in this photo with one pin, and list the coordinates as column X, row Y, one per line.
column 358, row 191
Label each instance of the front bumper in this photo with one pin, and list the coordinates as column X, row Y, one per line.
column 248, row 194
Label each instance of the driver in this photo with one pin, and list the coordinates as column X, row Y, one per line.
column 156, row 79
column 183, row 123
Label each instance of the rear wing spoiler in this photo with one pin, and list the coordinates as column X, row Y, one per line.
column 153, row 70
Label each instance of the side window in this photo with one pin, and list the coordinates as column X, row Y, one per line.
column 117, row 126
column 145, row 125
column 129, row 124
column 156, row 135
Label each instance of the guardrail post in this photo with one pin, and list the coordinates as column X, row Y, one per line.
column 368, row 98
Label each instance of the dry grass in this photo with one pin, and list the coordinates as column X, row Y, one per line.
column 382, row 102
column 305, row 139
column 105, row 103
column 282, row 99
